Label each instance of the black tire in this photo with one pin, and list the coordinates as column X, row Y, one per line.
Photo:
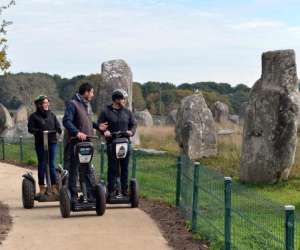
column 28, row 193
column 100, row 199
column 134, row 193
column 65, row 202
column 58, row 177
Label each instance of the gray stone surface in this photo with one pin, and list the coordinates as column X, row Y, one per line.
column 172, row 117
column 136, row 138
column 270, row 128
column 20, row 127
column 220, row 112
column 242, row 110
column 195, row 128
column 5, row 119
column 144, row 118
column 234, row 119
column 226, row 131
column 115, row 74
column 151, row 151
column 21, row 115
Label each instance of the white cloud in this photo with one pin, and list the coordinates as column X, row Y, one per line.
column 166, row 42
column 257, row 24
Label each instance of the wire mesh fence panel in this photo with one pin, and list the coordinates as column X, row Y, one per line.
column 156, row 175
column 28, row 152
column 211, row 207
column 257, row 222
column 12, row 149
column 100, row 160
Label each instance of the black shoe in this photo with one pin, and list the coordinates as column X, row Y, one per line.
column 74, row 199
column 125, row 193
column 91, row 198
column 109, row 195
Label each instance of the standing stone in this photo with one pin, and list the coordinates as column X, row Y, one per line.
column 220, row 111
column 5, row 119
column 144, row 118
column 234, row 119
column 242, row 110
column 20, row 127
column 21, row 120
column 171, row 118
column 270, row 128
column 115, row 74
column 195, row 128
column 21, row 115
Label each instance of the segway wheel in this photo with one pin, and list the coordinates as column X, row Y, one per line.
column 28, row 193
column 65, row 202
column 134, row 193
column 100, row 199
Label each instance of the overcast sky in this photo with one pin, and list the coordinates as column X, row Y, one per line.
column 162, row 40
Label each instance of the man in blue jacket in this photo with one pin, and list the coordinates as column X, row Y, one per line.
column 78, row 123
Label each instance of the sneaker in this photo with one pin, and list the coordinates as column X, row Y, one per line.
column 125, row 193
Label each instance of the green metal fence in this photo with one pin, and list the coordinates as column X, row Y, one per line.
column 230, row 215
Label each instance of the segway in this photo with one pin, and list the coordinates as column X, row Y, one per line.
column 28, row 184
column 87, row 200
column 120, row 147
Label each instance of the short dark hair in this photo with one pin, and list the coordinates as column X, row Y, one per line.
column 85, row 86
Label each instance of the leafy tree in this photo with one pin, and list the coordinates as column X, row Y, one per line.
column 211, row 97
column 138, row 98
column 4, row 62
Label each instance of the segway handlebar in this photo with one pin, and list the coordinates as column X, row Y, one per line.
column 120, row 134
column 49, row 132
column 88, row 137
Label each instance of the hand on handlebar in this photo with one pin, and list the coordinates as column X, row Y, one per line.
column 129, row 133
column 107, row 133
column 81, row 136
column 103, row 126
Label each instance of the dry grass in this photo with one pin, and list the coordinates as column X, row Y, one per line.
column 160, row 138
column 229, row 148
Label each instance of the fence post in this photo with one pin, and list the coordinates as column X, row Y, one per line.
column 21, row 149
column 178, row 182
column 289, row 227
column 195, row 196
column 3, row 148
column 102, row 145
column 133, row 174
column 227, row 222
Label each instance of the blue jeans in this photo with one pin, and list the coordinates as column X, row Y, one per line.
column 42, row 163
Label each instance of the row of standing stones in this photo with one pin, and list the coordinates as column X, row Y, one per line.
column 270, row 125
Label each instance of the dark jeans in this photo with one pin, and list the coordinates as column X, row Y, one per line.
column 72, row 165
column 42, row 163
column 113, row 168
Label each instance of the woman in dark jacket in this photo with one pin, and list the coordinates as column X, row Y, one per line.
column 44, row 120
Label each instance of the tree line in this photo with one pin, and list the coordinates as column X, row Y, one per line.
column 158, row 97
